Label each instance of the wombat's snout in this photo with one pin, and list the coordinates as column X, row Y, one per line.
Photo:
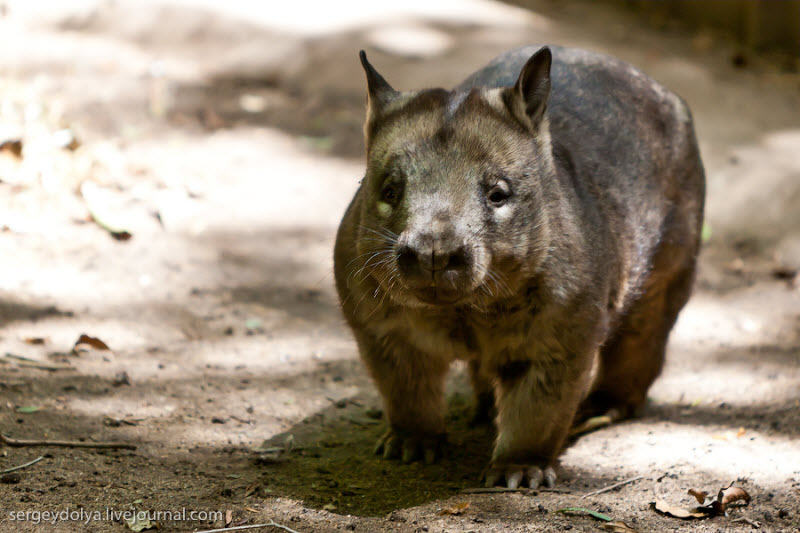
column 428, row 260
column 438, row 269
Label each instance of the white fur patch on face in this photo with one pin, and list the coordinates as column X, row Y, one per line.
column 384, row 209
column 503, row 213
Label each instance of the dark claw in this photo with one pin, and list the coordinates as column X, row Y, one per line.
column 381, row 443
column 409, row 448
column 392, row 447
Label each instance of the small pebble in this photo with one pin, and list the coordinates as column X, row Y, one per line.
column 217, row 420
column 11, row 478
column 783, row 513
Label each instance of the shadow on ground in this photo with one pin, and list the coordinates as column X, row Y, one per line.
column 12, row 311
column 332, row 464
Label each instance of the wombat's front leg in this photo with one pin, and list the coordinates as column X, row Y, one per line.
column 412, row 386
column 535, row 406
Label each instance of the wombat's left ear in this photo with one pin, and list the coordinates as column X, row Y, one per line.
column 532, row 91
column 380, row 92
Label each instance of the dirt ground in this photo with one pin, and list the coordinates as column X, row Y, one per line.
column 226, row 139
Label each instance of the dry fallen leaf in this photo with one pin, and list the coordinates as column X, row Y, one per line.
column 66, row 139
column 97, row 200
column 35, row 340
column 94, row 342
column 677, row 512
column 740, row 433
column 618, row 527
column 139, row 521
column 700, row 495
column 731, row 495
column 784, row 273
column 455, row 510
column 715, row 507
column 13, row 147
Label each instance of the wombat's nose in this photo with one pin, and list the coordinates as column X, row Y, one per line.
column 412, row 260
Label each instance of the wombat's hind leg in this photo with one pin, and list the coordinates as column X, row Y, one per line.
column 634, row 356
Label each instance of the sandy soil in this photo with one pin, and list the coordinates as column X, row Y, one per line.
column 226, row 139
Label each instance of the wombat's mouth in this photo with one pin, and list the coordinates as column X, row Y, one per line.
column 438, row 295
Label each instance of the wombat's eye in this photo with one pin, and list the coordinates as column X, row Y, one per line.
column 499, row 194
column 390, row 193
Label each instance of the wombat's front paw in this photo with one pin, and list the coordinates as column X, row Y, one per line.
column 515, row 475
column 409, row 446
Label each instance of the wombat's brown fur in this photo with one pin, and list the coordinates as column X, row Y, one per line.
column 541, row 221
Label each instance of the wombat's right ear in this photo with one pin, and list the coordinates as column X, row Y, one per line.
column 380, row 92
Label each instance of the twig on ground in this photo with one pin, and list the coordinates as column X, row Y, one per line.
column 271, row 523
column 17, row 443
column 26, row 361
column 753, row 523
column 495, row 490
column 612, row 487
column 20, row 467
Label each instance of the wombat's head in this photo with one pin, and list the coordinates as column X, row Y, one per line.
column 452, row 202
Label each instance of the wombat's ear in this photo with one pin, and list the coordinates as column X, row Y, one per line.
column 532, row 90
column 380, row 92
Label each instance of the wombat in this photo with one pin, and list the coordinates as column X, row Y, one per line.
column 541, row 221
